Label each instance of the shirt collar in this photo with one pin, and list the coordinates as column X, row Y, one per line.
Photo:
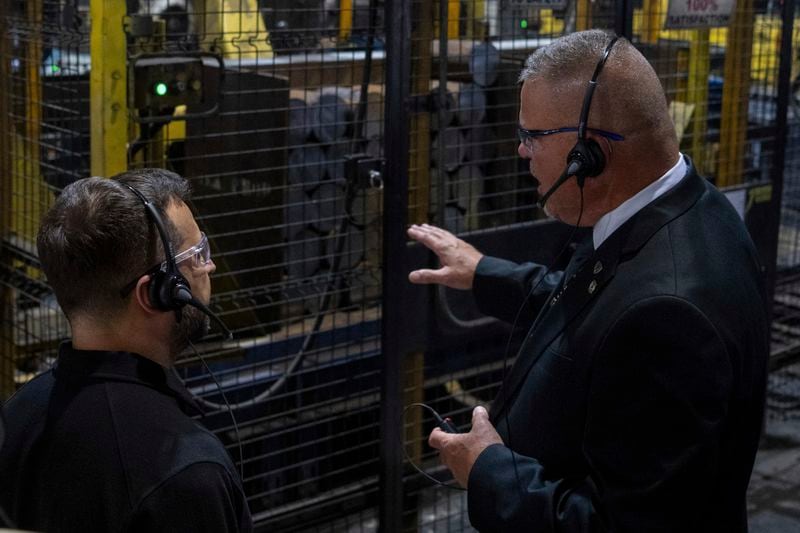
column 78, row 366
column 612, row 220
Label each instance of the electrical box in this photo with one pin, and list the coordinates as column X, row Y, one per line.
column 167, row 82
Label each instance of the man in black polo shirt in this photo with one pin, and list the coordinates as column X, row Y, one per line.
column 105, row 440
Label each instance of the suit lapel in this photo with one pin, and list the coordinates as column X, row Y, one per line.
column 594, row 275
column 563, row 306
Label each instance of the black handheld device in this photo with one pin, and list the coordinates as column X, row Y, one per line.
column 444, row 423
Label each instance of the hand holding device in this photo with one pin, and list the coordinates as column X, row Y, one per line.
column 445, row 424
column 459, row 452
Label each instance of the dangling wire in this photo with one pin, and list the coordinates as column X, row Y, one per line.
column 408, row 458
column 335, row 280
column 230, row 411
column 308, row 342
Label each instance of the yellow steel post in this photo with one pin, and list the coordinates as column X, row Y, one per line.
column 583, row 15
column 476, row 20
column 7, row 348
column 28, row 186
column 234, row 28
column 33, row 94
column 652, row 16
column 108, row 88
column 453, row 18
column 6, row 125
column 419, row 174
column 419, row 185
column 699, row 67
column 345, row 19
column 735, row 95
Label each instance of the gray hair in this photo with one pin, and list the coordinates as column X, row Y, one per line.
column 568, row 56
column 629, row 98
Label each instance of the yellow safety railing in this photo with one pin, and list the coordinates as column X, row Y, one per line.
column 108, row 88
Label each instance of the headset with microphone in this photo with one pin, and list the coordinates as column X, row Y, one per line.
column 169, row 290
column 586, row 158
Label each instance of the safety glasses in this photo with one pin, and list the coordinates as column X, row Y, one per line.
column 526, row 136
column 199, row 255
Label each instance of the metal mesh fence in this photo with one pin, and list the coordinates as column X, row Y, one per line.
column 783, row 399
column 721, row 85
column 267, row 149
column 283, row 141
column 45, row 144
column 296, row 243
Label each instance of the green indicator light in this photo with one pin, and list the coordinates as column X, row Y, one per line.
column 523, row 24
column 161, row 88
column 55, row 69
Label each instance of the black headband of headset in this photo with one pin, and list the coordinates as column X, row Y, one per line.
column 587, row 98
column 168, row 251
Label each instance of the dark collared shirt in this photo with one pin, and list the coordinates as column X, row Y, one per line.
column 104, row 442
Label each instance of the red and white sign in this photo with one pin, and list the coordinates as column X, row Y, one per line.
column 685, row 14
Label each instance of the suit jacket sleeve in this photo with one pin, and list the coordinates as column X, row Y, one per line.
column 659, row 392
column 202, row 497
column 500, row 288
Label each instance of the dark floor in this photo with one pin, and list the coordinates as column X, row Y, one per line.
column 773, row 500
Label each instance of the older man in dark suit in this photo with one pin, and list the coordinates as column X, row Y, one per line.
column 635, row 402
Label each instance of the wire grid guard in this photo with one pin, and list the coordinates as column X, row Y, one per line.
column 297, row 241
column 783, row 398
column 44, row 113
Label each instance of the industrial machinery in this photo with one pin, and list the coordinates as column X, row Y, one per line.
column 285, row 117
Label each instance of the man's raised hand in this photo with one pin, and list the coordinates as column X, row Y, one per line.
column 458, row 258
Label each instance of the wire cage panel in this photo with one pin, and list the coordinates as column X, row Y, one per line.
column 276, row 112
column 44, row 112
column 722, row 89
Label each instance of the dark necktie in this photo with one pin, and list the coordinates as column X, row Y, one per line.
column 584, row 251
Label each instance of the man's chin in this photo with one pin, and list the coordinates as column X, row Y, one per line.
column 202, row 331
column 194, row 325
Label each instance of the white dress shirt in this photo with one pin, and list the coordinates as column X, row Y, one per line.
column 612, row 220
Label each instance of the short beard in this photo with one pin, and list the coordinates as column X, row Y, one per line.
column 193, row 326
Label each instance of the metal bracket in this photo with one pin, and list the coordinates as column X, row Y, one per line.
column 364, row 171
column 420, row 103
column 139, row 25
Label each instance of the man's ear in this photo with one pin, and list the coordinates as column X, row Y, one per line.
column 605, row 146
column 141, row 294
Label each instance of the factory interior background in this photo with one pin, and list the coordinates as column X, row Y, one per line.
column 313, row 132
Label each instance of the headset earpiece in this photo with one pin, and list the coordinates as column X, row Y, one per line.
column 589, row 157
column 167, row 290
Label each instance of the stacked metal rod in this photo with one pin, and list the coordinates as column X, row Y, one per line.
column 321, row 138
column 465, row 141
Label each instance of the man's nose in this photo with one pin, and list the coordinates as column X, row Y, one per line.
column 523, row 151
column 211, row 266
